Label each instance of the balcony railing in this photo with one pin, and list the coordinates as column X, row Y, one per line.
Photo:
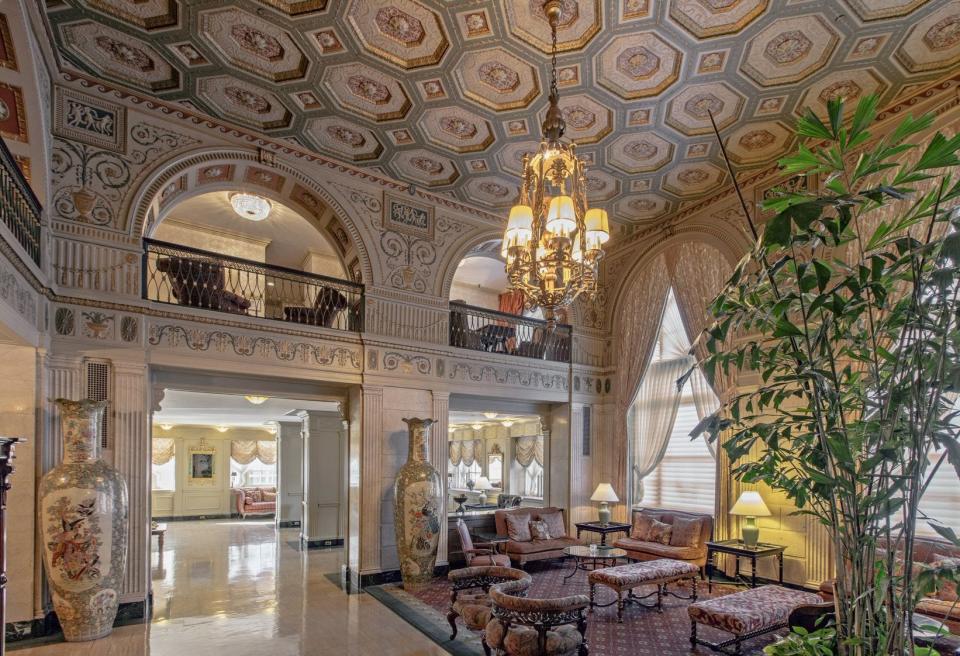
column 20, row 210
column 479, row 329
column 180, row 275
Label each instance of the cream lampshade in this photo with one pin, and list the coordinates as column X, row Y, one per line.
column 482, row 485
column 604, row 494
column 750, row 505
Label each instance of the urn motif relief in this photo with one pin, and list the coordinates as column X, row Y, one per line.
column 418, row 504
column 83, row 522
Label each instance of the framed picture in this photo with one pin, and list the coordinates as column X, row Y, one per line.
column 202, row 466
column 407, row 217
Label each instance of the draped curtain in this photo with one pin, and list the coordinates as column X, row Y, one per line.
column 511, row 302
column 456, row 456
column 637, row 328
column 468, row 452
column 246, row 451
column 162, row 450
column 529, row 449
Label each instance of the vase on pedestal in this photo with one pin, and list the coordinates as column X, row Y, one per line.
column 418, row 504
column 83, row 521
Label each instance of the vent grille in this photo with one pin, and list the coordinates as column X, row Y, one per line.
column 98, row 389
column 586, row 431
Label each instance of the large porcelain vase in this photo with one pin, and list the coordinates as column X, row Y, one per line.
column 83, row 519
column 418, row 508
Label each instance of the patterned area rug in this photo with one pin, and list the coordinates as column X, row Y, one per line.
column 644, row 631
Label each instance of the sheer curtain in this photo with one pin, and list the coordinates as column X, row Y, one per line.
column 637, row 327
column 654, row 410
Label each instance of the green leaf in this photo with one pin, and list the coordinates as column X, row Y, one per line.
column 786, row 328
column 777, row 231
column 810, row 125
column 835, row 113
column 824, row 273
column 864, row 115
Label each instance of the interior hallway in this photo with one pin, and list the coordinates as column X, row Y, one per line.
column 241, row 589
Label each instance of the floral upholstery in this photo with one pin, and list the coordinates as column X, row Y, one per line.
column 656, row 551
column 478, row 556
column 470, row 600
column 641, row 546
column 751, row 610
column 252, row 501
column 512, row 632
column 623, row 577
column 522, row 640
column 522, row 552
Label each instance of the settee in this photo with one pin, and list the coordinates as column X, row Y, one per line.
column 687, row 545
column 256, row 501
column 523, row 551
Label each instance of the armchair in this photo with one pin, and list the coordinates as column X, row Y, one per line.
column 536, row 627
column 474, row 608
column 199, row 283
column 481, row 553
column 326, row 307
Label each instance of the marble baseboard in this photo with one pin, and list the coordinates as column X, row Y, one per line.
column 193, row 518
column 388, row 576
column 47, row 628
column 289, row 523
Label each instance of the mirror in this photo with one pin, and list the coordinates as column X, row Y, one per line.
column 495, row 469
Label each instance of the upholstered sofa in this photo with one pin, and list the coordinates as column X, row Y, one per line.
column 256, row 501
column 522, row 552
column 692, row 551
column 943, row 605
column 199, row 283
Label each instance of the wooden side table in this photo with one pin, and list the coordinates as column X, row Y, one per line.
column 160, row 530
column 738, row 550
column 602, row 529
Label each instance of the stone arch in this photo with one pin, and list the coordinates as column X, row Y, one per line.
column 729, row 247
column 455, row 255
column 179, row 179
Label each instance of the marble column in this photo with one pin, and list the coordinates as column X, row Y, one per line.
column 289, row 473
column 439, row 454
column 579, row 469
column 324, row 457
column 371, row 448
column 131, row 455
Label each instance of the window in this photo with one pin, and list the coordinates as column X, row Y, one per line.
column 940, row 501
column 463, row 473
column 495, row 470
column 253, row 474
column 164, row 477
column 533, row 480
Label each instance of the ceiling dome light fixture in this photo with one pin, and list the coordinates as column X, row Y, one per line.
column 476, row 426
column 553, row 242
column 491, row 415
column 507, row 423
column 166, row 427
column 255, row 399
column 250, row 206
column 222, row 429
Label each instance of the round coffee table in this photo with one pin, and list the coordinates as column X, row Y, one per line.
column 588, row 560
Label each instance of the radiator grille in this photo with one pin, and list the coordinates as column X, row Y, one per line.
column 98, row 389
column 586, row 431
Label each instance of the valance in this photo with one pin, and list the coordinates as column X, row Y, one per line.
column 246, row 451
column 162, row 450
column 455, row 452
column 528, row 449
column 465, row 451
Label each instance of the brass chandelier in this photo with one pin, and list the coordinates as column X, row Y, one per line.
column 553, row 239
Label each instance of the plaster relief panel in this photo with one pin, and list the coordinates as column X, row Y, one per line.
column 344, row 138
column 638, row 65
column 580, row 21
column 116, row 53
column 402, row 32
column 244, row 102
column 253, row 44
column 367, row 91
column 497, row 79
column 789, row 50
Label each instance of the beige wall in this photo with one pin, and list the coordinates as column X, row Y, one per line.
column 200, row 498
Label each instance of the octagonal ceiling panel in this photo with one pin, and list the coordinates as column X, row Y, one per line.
column 244, row 102
column 494, row 190
column 425, row 166
column 639, row 152
column 253, row 44
column 345, row 138
column 638, row 65
column 456, row 129
column 934, row 41
column 402, row 32
column 691, row 179
column 580, row 21
column 371, row 82
column 689, row 111
column 758, row 143
column 366, row 91
column 704, row 18
column 789, row 50
column 497, row 79
column 851, row 85
column 641, row 209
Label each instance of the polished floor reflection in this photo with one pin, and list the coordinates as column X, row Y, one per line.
column 235, row 588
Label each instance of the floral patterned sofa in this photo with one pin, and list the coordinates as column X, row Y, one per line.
column 256, row 501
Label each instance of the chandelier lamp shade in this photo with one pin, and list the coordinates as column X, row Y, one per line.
column 553, row 241
column 250, row 206
column 256, row 399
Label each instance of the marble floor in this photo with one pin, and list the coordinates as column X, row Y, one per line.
column 232, row 588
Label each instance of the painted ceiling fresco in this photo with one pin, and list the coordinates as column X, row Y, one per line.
column 449, row 95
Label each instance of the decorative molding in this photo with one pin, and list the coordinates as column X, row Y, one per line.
column 485, row 373
column 406, row 363
column 89, row 120
column 409, row 218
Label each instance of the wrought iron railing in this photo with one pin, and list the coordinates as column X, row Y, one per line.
column 19, row 208
column 479, row 329
column 186, row 276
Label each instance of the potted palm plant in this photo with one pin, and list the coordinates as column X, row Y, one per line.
column 845, row 315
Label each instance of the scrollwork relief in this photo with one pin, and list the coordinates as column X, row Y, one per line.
column 220, row 341
column 91, row 182
column 409, row 260
column 406, row 363
column 489, row 374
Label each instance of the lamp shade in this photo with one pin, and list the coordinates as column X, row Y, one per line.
column 597, row 224
column 750, row 504
column 519, row 228
column 483, row 483
column 561, row 217
column 604, row 492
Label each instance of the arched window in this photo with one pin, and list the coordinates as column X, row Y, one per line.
column 668, row 469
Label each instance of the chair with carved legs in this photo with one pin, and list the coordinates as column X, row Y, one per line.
column 522, row 626
column 469, row 598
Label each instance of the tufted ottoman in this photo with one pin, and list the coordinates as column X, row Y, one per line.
column 650, row 572
column 746, row 614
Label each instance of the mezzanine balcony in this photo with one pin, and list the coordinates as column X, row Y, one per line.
column 19, row 208
column 180, row 275
column 479, row 329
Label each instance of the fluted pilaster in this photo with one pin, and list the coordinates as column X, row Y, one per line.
column 438, row 458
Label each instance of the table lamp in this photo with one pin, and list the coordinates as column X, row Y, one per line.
column 482, row 485
column 604, row 494
column 750, row 505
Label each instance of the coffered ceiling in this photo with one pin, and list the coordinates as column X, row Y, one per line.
column 449, row 94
